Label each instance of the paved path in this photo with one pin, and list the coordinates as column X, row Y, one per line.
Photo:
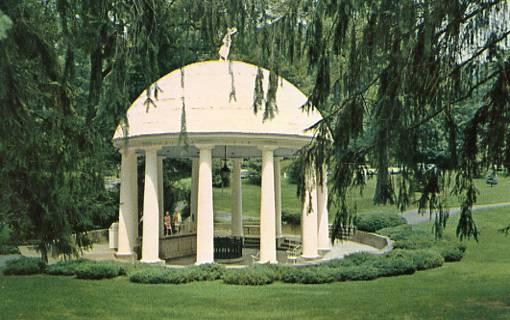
column 413, row 217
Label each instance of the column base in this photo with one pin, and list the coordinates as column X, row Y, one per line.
column 155, row 261
column 126, row 256
column 267, row 262
column 203, row 262
column 323, row 251
column 311, row 257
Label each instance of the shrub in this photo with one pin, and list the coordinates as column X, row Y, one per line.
column 208, row 272
column 291, row 217
column 65, row 268
column 393, row 265
column 24, row 266
column 251, row 276
column 309, row 275
column 99, row 270
column 150, row 275
column 360, row 258
column 182, row 276
column 355, row 273
column 400, row 232
column 9, row 249
column 422, row 259
column 374, row 222
column 415, row 240
column 452, row 251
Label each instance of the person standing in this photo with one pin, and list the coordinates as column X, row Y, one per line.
column 167, row 221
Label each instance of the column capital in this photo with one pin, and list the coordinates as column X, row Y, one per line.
column 126, row 150
column 204, row 146
column 267, row 147
column 151, row 148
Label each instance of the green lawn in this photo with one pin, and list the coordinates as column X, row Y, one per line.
column 475, row 288
column 363, row 203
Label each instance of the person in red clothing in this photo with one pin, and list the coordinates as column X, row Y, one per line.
column 167, row 220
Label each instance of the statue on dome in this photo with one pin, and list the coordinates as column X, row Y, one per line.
column 227, row 41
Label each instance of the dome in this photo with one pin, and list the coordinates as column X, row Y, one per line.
column 217, row 97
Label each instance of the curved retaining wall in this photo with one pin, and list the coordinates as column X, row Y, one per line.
column 372, row 239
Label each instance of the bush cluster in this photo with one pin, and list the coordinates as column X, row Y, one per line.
column 375, row 222
column 99, row 270
column 251, row 276
column 207, row 272
column 291, row 218
column 407, row 239
column 452, row 252
column 8, row 249
column 309, row 275
column 65, row 268
column 24, row 266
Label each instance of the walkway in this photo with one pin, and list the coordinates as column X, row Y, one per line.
column 413, row 217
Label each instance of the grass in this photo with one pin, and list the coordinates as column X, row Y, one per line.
column 475, row 288
column 363, row 203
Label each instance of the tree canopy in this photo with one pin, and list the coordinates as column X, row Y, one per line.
column 418, row 84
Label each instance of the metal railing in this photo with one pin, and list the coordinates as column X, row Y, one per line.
column 228, row 247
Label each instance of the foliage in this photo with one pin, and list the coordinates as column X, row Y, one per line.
column 206, row 272
column 149, row 275
column 311, row 275
column 423, row 259
column 293, row 218
column 453, row 252
column 8, row 249
column 392, row 265
column 65, row 268
column 254, row 167
column 356, row 273
column 390, row 78
column 98, row 270
column 251, row 276
column 24, row 266
column 376, row 221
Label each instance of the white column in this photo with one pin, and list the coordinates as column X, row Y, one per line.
column 205, row 219
column 160, row 196
column 322, row 214
column 150, row 241
column 278, row 196
column 128, row 206
column 194, row 189
column 267, row 208
column 237, row 200
column 309, row 222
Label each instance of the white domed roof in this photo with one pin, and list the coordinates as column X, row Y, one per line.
column 218, row 98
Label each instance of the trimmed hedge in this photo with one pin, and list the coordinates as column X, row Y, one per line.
column 453, row 252
column 99, row 270
column 24, row 266
column 206, row 272
column 394, row 265
column 356, row 273
column 149, row 275
column 251, row 276
column 65, row 268
column 422, row 259
column 378, row 221
column 309, row 275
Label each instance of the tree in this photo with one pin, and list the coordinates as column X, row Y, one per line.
column 388, row 77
